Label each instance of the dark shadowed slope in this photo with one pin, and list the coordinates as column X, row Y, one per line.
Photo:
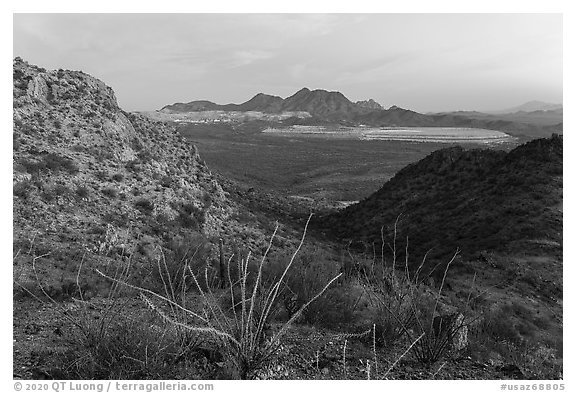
column 473, row 200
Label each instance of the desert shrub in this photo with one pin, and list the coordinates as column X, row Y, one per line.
column 166, row 181
column 406, row 308
column 120, row 343
column 61, row 190
column 241, row 334
column 191, row 216
column 171, row 272
column 136, row 144
column 101, row 175
column 118, row 177
column 110, row 192
column 128, row 349
column 499, row 325
column 107, row 340
column 538, row 362
column 394, row 313
column 145, row 156
column 51, row 162
column 132, row 166
column 23, row 189
column 82, row 192
column 51, row 192
column 144, row 205
column 312, row 268
column 335, row 310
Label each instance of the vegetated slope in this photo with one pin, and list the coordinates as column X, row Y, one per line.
column 473, row 200
column 90, row 178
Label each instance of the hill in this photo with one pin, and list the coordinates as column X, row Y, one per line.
column 474, row 200
column 260, row 102
column 89, row 177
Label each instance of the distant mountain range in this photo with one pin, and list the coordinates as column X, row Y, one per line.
column 531, row 106
column 543, row 118
column 319, row 103
column 332, row 106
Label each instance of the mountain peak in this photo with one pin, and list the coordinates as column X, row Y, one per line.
column 369, row 104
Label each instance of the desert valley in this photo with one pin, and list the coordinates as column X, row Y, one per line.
column 307, row 237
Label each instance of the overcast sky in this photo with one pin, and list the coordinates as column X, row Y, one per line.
column 423, row 62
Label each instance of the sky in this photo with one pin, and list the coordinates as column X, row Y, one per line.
column 423, row 62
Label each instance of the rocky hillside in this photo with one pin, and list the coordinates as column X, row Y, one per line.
column 475, row 200
column 91, row 178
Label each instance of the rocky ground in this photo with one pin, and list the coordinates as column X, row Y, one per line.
column 41, row 334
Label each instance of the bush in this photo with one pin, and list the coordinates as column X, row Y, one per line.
column 406, row 308
column 82, row 192
column 499, row 325
column 190, row 216
column 51, row 162
column 102, row 175
column 170, row 274
column 242, row 334
column 144, row 205
column 61, row 190
column 52, row 192
column 118, row 177
column 534, row 361
column 116, row 343
column 166, row 181
column 23, row 189
column 394, row 313
column 312, row 268
column 128, row 349
column 110, row 192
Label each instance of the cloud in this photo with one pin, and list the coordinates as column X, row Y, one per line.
column 405, row 58
column 247, row 57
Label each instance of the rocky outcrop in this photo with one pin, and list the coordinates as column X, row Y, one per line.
column 369, row 104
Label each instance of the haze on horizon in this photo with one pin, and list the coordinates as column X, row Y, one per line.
column 423, row 62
